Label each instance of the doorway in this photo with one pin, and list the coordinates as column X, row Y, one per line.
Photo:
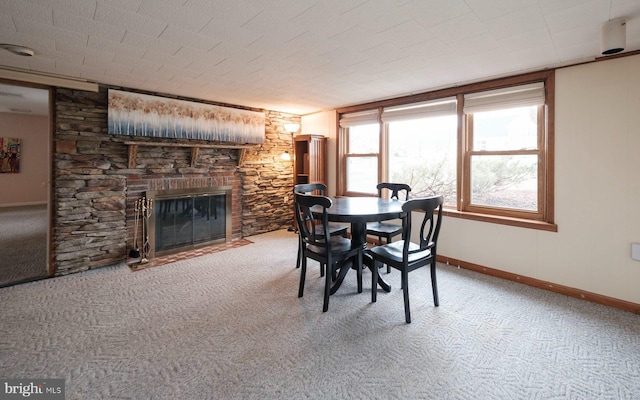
column 25, row 179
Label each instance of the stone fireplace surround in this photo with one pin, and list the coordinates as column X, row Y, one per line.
column 138, row 185
column 94, row 187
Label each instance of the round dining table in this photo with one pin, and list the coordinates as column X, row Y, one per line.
column 357, row 211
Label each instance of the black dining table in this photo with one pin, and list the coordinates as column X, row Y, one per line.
column 357, row 211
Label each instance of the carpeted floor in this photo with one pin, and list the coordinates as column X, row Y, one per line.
column 229, row 325
column 23, row 240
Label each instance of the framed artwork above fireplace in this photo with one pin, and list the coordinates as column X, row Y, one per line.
column 135, row 114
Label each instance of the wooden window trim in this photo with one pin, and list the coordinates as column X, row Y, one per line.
column 502, row 220
column 469, row 152
column 345, row 192
column 548, row 147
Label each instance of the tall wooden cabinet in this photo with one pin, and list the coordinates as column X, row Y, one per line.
column 310, row 159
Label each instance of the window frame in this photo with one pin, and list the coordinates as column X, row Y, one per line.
column 361, row 155
column 543, row 219
column 346, row 154
column 449, row 201
column 469, row 152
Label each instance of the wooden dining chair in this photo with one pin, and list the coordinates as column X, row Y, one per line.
column 332, row 254
column 405, row 255
column 334, row 229
column 388, row 230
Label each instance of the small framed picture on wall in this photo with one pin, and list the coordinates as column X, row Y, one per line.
column 9, row 155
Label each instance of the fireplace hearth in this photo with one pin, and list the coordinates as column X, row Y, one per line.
column 184, row 219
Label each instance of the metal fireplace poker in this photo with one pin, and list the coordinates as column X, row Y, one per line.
column 135, row 251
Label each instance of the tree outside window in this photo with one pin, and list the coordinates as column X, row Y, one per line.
column 422, row 154
column 504, row 158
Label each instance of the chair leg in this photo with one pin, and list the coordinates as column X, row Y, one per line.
column 434, row 283
column 388, row 266
column 303, row 272
column 405, row 291
column 327, row 288
column 374, row 281
column 359, row 266
column 322, row 268
column 299, row 253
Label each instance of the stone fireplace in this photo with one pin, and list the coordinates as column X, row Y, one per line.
column 184, row 219
column 192, row 206
column 98, row 177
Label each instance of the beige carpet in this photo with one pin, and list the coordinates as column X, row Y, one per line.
column 23, row 243
column 229, row 325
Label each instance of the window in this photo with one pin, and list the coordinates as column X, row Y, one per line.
column 487, row 147
column 504, row 158
column 362, row 152
column 362, row 160
column 422, row 148
column 504, row 169
column 422, row 154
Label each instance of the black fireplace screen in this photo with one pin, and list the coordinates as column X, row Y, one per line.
column 189, row 221
column 189, row 218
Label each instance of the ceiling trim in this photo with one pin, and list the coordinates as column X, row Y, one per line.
column 48, row 80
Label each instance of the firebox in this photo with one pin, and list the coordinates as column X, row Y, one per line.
column 185, row 219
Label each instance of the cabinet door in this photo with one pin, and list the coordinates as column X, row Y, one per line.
column 317, row 160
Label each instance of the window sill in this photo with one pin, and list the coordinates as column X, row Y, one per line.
column 494, row 219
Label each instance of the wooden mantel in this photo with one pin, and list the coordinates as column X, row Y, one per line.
column 195, row 149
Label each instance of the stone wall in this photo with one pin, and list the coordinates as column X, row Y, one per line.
column 94, row 188
column 163, row 168
column 268, row 180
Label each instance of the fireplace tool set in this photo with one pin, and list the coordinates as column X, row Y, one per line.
column 135, row 251
column 146, row 210
column 143, row 208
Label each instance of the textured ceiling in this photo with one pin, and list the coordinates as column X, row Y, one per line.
column 302, row 56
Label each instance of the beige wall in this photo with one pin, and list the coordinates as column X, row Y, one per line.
column 597, row 191
column 29, row 186
column 597, row 196
column 324, row 123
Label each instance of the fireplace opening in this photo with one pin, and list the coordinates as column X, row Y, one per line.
column 185, row 219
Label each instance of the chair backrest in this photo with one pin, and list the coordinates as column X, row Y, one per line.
column 311, row 188
column 430, row 227
column 313, row 230
column 395, row 189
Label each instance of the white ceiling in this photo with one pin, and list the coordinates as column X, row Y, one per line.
column 302, row 56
